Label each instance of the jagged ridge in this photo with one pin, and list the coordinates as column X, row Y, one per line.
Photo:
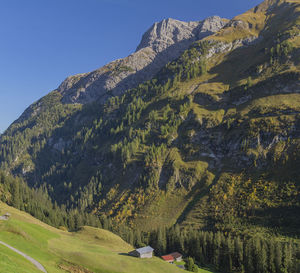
column 162, row 43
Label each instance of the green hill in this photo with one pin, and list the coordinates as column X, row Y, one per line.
column 13, row 262
column 88, row 250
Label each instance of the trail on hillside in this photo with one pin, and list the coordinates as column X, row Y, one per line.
column 33, row 261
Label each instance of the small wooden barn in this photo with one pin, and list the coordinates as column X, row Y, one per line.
column 5, row 217
column 144, row 252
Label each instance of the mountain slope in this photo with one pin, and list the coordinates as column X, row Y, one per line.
column 88, row 250
column 211, row 140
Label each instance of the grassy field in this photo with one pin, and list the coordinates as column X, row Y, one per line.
column 88, row 250
column 13, row 262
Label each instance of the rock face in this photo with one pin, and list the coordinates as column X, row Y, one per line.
column 169, row 32
column 162, row 43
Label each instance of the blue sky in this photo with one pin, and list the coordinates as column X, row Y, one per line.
column 44, row 41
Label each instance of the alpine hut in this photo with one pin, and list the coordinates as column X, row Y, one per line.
column 6, row 216
column 144, row 252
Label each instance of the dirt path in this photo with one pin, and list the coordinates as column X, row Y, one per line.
column 33, row 261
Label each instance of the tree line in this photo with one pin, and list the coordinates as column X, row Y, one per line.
column 225, row 252
column 228, row 252
column 15, row 192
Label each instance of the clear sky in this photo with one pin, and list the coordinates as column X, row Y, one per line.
column 44, row 41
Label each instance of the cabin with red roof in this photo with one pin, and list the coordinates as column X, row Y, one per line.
column 168, row 258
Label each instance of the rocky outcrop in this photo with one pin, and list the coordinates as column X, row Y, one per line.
column 217, row 47
column 162, row 43
column 169, row 32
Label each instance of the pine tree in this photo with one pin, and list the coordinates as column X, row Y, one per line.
column 263, row 257
column 238, row 253
column 199, row 253
column 130, row 239
column 216, row 249
column 287, row 257
column 161, row 241
column 137, row 238
column 15, row 189
column 278, row 256
column 190, row 265
column 248, row 259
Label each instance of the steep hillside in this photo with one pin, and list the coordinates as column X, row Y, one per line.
column 212, row 140
column 88, row 250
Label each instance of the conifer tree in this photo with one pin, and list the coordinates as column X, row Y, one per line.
column 190, row 265
column 278, row 257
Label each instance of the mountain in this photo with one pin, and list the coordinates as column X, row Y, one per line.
column 200, row 127
column 162, row 43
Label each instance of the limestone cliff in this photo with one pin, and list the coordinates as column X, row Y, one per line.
column 162, row 43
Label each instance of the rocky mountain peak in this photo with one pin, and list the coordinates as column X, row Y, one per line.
column 167, row 32
column 162, row 35
column 162, row 43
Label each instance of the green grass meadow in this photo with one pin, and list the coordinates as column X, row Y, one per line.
column 88, row 250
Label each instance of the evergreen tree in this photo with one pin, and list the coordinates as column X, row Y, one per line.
column 190, row 265
column 15, row 190
column 238, row 253
column 278, row 257
column 216, row 249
